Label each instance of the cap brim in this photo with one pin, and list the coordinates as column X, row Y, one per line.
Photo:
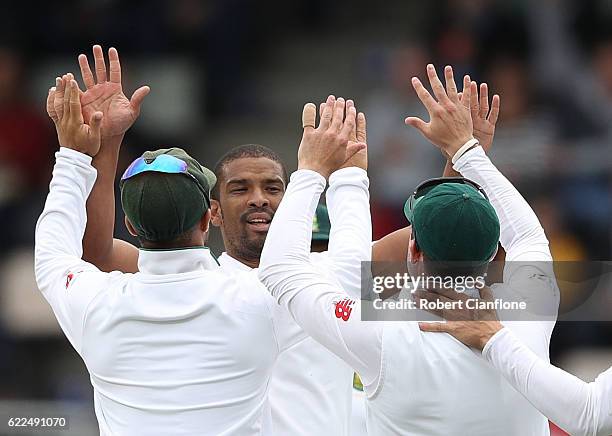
column 210, row 177
column 409, row 211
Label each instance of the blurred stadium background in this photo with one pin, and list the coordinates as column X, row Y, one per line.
column 224, row 73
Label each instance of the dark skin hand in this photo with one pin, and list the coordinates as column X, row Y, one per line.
column 104, row 94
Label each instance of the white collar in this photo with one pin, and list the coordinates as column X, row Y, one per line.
column 176, row 261
column 229, row 262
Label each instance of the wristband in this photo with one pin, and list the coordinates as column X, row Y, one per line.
column 472, row 143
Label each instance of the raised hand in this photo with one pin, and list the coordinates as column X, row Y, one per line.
column 64, row 108
column 450, row 125
column 328, row 147
column 358, row 135
column 105, row 94
column 483, row 119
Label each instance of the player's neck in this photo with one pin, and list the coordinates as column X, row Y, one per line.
column 250, row 262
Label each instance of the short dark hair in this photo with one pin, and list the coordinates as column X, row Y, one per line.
column 245, row 151
column 180, row 241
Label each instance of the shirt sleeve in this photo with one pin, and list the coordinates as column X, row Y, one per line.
column 350, row 237
column 68, row 283
column 522, row 236
column 577, row 407
column 528, row 270
column 316, row 301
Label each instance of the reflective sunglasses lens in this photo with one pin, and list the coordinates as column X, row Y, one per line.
column 162, row 164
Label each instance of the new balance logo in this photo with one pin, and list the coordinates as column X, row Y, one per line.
column 69, row 278
column 344, row 309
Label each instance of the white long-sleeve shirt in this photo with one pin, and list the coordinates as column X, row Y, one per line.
column 311, row 388
column 180, row 348
column 416, row 383
column 577, row 407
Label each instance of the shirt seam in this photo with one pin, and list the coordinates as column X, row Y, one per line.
column 382, row 371
column 86, row 314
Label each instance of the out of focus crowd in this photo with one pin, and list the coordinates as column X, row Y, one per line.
column 228, row 72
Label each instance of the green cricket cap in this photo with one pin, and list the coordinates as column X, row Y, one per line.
column 321, row 224
column 162, row 205
column 454, row 222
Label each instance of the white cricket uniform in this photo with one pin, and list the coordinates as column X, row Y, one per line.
column 417, row 383
column 180, row 348
column 358, row 425
column 311, row 388
column 577, row 407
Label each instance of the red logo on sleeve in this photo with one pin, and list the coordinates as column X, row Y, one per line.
column 344, row 309
column 69, row 278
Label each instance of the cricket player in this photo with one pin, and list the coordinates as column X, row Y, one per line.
column 310, row 390
column 577, row 407
column 419, row 383
column 156, row 343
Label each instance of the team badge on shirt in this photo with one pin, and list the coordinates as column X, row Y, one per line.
column 344, row 308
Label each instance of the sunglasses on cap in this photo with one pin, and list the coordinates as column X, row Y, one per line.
column 428, row 185
column 164, row 163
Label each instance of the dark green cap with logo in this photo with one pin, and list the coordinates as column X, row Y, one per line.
column 321, row 224
column 162, row 206
column 454, row 222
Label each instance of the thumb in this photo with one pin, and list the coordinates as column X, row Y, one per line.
column 138, row 97
column 95, row 125
column 417, row 123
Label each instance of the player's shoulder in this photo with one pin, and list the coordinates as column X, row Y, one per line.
column 252, row 295
column 92, row 278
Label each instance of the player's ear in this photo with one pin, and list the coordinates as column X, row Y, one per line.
column 414, row 254
column 130, row 227
column 205, row 221
column 216, row 218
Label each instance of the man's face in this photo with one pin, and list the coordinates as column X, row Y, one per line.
column 250, row 191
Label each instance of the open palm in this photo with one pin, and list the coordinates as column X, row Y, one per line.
column 106, row 96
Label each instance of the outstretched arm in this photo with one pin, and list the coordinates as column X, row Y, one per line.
column 577, row 407
column 348, row 202
column 318, row 305
column 394, row 246
column 67, row 282
column 104, row 94
column 451, row 129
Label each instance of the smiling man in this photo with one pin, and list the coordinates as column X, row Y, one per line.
column 251, row 184
column 311, row 388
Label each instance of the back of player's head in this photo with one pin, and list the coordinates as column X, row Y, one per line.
column 453, row 222
column 164, row 194
column 241, row 152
